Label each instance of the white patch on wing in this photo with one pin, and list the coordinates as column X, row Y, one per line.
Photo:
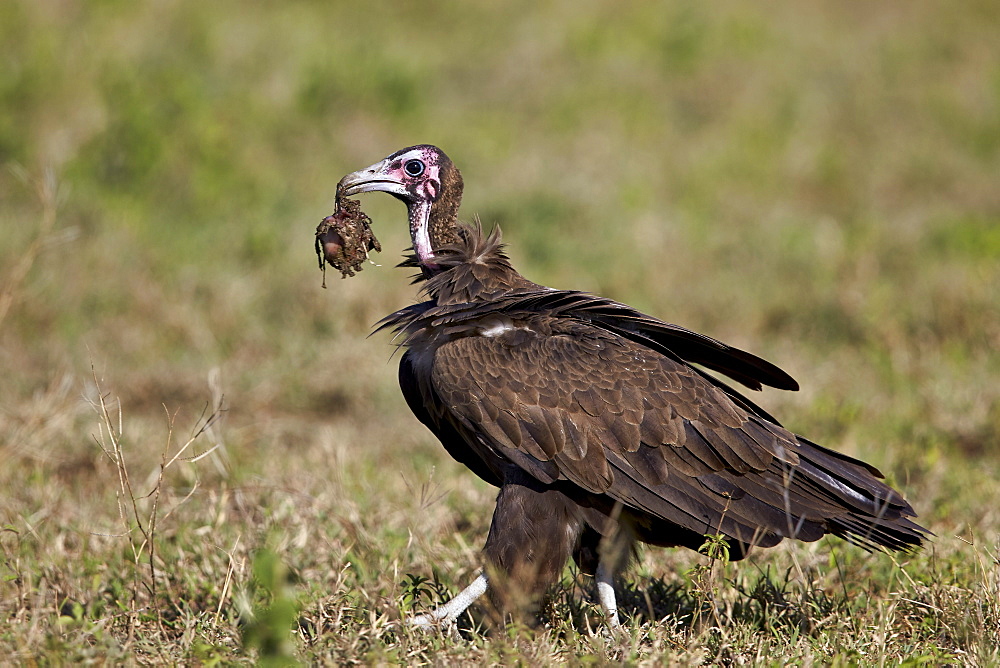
column 496, row 329
column 496, row 326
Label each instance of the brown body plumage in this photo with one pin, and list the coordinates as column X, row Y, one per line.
column 593, row 422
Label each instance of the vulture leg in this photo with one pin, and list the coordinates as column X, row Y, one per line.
column 613, row 552
column 534, row 531
column 606, row 593
column 449, row 612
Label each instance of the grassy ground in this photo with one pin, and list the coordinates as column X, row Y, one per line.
column 205, row 460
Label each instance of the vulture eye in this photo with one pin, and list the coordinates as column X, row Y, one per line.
column 413, row 168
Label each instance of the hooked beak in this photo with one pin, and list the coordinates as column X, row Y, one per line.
column 372, row 179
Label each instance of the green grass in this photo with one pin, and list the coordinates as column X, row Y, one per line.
column 815, row 182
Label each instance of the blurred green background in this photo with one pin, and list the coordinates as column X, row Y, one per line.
column 816, row 182
column 813, row 181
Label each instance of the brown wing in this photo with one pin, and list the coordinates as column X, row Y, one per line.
column 673, row 340
column 567, row 400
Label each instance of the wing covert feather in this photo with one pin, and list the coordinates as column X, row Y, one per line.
column 571, row 397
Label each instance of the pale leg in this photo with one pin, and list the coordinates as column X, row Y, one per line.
column 449, row 612
column 606, row 594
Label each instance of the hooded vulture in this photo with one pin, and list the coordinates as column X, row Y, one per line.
column 598, row 423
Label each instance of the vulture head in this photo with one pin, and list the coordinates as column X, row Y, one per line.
column 431, row 186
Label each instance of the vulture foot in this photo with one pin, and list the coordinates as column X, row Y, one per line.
column 446, row 614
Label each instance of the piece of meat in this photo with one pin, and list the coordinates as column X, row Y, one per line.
column 345, row 238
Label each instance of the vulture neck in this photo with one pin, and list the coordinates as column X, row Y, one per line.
column 434, row 223
column 474, row 269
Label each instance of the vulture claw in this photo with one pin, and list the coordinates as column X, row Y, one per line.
column 446, row 614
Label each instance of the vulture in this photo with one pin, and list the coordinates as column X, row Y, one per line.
column 600, row 425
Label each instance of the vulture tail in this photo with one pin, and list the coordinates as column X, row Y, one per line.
column 876, row 516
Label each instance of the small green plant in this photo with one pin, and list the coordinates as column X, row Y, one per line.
column 415, row 588
column 269, row 620
column 715, row 547
column 703, row 577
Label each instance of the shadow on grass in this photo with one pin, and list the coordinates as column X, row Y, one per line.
column 778, row 606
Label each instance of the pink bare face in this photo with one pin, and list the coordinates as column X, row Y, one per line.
column 414, row 176
column 418, row 169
